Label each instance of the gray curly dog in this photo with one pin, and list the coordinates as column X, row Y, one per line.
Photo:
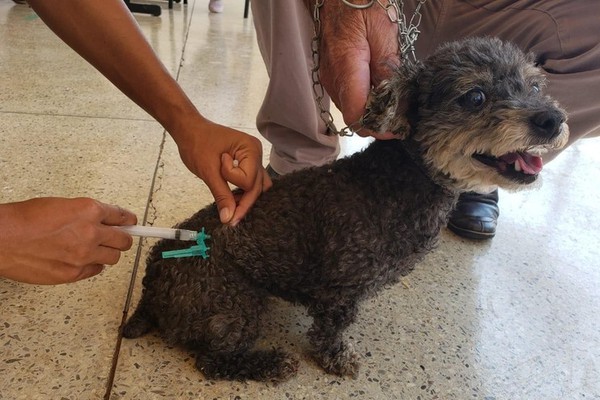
column 470, row 117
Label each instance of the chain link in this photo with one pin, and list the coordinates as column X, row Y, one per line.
column 358, row 6
column 407, row 32
column 407, row 36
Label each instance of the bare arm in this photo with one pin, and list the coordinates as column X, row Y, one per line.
column 107, row 36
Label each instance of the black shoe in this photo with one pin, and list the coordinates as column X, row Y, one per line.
column 475, row 215
column 272, row 173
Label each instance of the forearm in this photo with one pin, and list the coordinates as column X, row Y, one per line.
column 108, row 37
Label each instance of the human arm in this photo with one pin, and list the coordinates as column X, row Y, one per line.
column 57, row 240
column 358, row 49
column 107, row 36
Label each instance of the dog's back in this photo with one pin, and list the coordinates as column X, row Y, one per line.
column 354, row 223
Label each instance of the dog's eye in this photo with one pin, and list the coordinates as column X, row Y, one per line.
column 535, row 88
column 473, row 99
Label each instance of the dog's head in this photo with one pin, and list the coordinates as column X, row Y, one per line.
column 477, row 111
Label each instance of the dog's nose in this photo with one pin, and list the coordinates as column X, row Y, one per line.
column 547, row 123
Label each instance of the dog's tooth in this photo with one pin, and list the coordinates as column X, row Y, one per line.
column 517, row 166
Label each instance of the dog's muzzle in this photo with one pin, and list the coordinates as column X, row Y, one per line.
column 547, row 124
column 523, row 165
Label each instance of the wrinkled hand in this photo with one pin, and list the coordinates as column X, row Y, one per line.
column 358, row 50
column 210, row 152
column 57, row 240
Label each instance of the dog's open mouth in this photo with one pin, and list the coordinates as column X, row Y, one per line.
column 519, row 166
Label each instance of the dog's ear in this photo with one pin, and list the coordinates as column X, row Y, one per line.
column 390, row 103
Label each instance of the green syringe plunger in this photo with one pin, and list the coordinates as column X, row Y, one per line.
column 199, row 250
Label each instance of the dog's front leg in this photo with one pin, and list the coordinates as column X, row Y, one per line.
column 332, row 353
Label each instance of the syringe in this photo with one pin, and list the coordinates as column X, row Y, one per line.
column 156, row 232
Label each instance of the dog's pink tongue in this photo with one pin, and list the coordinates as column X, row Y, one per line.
column 528, row 163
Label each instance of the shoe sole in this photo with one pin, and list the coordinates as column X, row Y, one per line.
column 466, row 233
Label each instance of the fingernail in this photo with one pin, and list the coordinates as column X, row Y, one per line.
column 225, row 214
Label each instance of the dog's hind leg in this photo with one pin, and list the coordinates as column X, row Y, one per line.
column 333, row 354
column 226, row 349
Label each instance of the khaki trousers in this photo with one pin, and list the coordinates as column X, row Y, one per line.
column 563, row 34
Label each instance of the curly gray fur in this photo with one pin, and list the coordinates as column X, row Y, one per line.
column 328, row 237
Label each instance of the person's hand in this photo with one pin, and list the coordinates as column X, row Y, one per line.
column 56, row 240
column 358, row 50
column 218, row 154
column 207, row 149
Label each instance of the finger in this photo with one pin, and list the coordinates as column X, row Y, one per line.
column 383, row 48
column 353, row 99
column 115, row 238
column 106, row 256
column 267, row 183
column 247, row 201
column 260, row 182
column 115, row 215
column 352, row 93
column 222, row 194
column 349, row 87
column 242, row 173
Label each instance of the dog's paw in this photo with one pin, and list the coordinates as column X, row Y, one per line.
column 266, row 366
column 284, row 367
column 343, row 361
column 136, row 327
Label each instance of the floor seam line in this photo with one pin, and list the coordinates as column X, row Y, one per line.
column 149, row 205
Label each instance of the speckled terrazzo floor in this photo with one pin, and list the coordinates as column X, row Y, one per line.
column 513, row 318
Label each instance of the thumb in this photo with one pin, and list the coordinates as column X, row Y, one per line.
column 223, row 198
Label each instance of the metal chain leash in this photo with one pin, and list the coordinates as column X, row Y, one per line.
column 317, row 87
column 407, row 36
